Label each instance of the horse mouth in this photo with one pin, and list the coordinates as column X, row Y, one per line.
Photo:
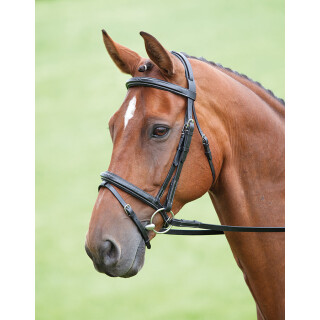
column 137, row 262
column 117, row 270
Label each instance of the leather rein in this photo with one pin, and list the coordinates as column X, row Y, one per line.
column 111, row 180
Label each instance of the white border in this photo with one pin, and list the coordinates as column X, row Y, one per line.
column 17, row 159
column 302, row 159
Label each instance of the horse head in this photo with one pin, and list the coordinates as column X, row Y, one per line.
column 145, row 132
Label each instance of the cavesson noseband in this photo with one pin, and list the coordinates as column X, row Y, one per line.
column 110, row 179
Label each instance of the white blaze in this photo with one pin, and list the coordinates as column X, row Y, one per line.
column 130, row 111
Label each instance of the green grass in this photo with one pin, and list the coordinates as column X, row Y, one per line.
column 77, row 90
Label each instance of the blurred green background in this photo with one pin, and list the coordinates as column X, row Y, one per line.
column 77, row 90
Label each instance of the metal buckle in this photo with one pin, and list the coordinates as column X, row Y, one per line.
column 205, row 140
column 127, row 206
column 188, row 123
column 151, row 226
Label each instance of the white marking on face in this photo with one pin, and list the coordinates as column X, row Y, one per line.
column 130, row 111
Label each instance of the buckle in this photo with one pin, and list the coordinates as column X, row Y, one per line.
column 205, row 140
column 126, row 209
column 187, row 125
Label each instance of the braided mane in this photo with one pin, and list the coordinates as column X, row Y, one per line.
column 236, row 73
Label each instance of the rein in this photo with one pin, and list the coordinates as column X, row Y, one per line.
column 110, row 179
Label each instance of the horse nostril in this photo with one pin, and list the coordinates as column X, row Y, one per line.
column 109, row 253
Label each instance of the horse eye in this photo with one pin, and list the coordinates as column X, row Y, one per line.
column 159, row 131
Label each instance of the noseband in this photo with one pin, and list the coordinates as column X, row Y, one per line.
column 110, row 179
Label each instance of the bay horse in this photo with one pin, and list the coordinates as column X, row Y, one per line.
column 245, row 126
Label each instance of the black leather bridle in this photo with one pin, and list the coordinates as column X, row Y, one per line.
column 110, row 179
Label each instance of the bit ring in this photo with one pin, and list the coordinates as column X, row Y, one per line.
column 151, row 226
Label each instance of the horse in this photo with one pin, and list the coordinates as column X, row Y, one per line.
column 245, row 125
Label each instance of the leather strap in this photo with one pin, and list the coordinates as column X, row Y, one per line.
column 128, row 210
column 205, row 143
column 183, row 155
column 217, row 229
column 191, row 82
column 112, row 178
column 180, row 232
column 161, row 85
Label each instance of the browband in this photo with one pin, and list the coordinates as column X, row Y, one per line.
column 161, row 85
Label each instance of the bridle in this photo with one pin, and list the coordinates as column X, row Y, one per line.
column 109, row 179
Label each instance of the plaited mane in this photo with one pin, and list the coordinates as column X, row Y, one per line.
column 236, row 73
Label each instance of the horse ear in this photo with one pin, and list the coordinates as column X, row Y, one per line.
column 125, row 59
column 159, row 55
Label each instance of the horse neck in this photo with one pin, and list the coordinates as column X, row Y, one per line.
column 246, row 134
column 245, row 127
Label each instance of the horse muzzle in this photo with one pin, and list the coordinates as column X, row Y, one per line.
column 108, row 258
